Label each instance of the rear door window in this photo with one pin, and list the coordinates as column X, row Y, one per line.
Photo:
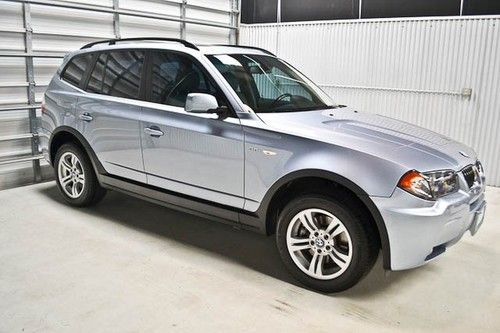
column 75, row 70
column 117, row 73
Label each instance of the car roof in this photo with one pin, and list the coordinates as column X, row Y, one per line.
column 232, row 49
column 171, row 44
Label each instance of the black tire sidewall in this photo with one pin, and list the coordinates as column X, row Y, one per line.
column 360, row 245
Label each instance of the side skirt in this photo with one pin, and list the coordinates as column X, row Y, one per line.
column 183, row 203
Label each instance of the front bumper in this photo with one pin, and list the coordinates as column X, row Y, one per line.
column 420, row 230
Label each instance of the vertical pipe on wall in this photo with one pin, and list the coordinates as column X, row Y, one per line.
column 183, row 17
column 238, row 22
column 234, row 19
column 116, row 19
column 360, row 8
column 278, row 11
column 278, row 20
column 30, row 77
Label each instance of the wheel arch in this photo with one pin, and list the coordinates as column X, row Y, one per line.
column 303, row 181
column 64, row 134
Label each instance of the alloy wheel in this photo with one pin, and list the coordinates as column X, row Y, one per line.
column 319, row 244
column 71, row 175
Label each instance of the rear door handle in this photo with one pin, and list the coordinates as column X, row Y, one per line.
column 153, row 131
column 86, row 117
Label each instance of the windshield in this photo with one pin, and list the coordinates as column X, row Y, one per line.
column 267, row 84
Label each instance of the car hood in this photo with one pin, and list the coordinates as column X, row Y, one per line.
column 411, row 146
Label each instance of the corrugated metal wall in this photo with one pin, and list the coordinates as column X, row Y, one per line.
column 440, row 73
column 48, row 29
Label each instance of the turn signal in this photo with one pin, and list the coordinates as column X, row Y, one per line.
column 416, row 183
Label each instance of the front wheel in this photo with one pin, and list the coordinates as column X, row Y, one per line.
column 325, row 243
column 75, row 176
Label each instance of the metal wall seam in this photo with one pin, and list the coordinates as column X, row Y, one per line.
column 442, row 73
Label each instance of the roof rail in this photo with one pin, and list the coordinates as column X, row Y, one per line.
column 246, row 47
column 116, row 40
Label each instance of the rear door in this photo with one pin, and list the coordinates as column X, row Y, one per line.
column 110, row 112
column 195, row 154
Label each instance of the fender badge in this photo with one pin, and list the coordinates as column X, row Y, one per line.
column 464, row 154
column 269, row 153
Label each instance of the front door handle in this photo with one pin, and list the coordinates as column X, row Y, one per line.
column 86, row 117
column 153, row 131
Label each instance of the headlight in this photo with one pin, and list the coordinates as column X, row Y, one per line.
column 429, row 185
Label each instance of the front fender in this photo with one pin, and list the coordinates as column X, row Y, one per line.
column 270, row 156
column 274, row 159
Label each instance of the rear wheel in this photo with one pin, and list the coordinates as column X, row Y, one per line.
column 324, row 243
column 75, row 176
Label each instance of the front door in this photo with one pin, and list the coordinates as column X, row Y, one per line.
column 197, row 155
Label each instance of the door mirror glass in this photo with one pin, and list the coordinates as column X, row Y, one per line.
column 201, row 103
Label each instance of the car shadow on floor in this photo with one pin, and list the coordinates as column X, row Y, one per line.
column 247, row 248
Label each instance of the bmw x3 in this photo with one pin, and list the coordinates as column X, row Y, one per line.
column 237, row 135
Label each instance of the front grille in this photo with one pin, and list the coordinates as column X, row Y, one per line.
column 469, row 175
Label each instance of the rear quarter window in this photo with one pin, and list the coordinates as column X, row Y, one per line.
column 75, row 69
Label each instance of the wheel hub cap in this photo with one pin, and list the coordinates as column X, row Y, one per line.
column 319, row 244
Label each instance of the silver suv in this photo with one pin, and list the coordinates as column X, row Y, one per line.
column 237, row 135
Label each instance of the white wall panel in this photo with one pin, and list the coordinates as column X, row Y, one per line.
column 265, row 36
column 12, row 70
column 163, row 7
column 216, row 4
column 11, row 41
column 139, row 26
column 45, row 19
column 105, row 3
column 206, row 35
column 45, row 69
column 410, row 69
column 204, row 15
column 11, row 16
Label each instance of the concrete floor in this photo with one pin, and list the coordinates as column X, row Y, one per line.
column 127, row 265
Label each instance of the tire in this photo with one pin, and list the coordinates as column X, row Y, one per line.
column 76, row 178
column 345, row 252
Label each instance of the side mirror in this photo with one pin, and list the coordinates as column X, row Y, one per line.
column 201, row 103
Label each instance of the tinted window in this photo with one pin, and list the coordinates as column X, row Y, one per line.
column 75, row 69
column 117, row 74
column 174, row 76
